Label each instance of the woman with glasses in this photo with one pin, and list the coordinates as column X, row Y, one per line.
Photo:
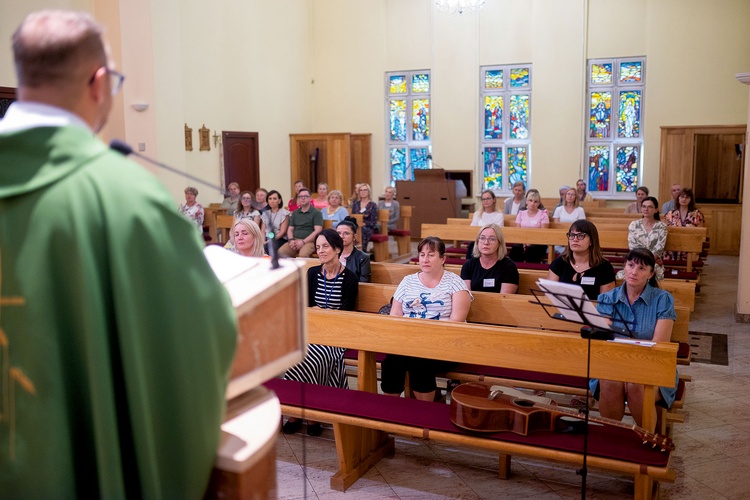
column 649, row 314
column 490, row 270
column 649, row 232
column 488, row 214
column 352, row 257
column 582, row 263
column 369, row 210
column 245, row 209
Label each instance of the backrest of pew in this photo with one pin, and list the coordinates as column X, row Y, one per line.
column 405, row 219
column 224, row 224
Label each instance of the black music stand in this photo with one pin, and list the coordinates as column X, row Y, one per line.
column 575, row 307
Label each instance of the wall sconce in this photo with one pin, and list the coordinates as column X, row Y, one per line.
column 140, row 106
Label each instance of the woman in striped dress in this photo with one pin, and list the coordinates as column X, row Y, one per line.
column 330, row 286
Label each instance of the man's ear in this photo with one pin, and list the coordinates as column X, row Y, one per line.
column 99, row 86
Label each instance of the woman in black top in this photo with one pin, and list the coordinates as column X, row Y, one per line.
column 583, row 263
column 330, row 286
column 489, row 270
column 352, row 257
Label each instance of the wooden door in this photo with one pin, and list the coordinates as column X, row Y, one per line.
column 241, row 160
column 7, row 96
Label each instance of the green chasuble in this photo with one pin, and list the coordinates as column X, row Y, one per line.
column 116, row 337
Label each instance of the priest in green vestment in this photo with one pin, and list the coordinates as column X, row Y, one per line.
column 116, row 338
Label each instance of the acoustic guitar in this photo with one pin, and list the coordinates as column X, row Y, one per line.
column 477, row 408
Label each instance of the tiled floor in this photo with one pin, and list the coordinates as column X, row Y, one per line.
column 712, row 456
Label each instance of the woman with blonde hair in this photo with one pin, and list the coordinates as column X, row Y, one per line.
column 490, row 270
column 334, row 211
column 369, row 210
column 248, row 239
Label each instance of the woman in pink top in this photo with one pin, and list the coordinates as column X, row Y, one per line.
column 535, row 216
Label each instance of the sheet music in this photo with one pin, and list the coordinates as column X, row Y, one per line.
column 558, row 293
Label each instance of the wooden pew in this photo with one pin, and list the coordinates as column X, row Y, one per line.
column 360, row 439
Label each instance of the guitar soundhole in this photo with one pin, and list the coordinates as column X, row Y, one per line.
column 525, row 403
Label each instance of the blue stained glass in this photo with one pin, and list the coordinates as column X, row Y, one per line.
column 399, row 169
column 398, row 120
column 517, row 165
column 493, row 117
column 493, row 168
column 420, row 83
column 629, row 122
column 519, row 117
column 598, row 168
column 493, row 79
column 519, row 78
column 631, row 72
column 626, row 170
column 418, row 158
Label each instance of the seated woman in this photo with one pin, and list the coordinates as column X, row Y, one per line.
column 649, row 232
column 191, row 209
column 248, row 239
column 583, row 263
column 569, row 211
column 330, row 286
column 394, row 209
column 321, row 199
column 334, row 211
column 245, row 208
column 685, row 215
column 640, row 195
column 369, row 210
column 488, row 213
column 649, row 313
column 352, row 257
column 535, row 216
column 490, row 270
column 432, row 293
column 275, row 220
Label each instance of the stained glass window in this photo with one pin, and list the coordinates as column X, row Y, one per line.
column 599, row 114
column 493, row 117
column 493, row 168
column 601, row 74
column 506, row 123
column 519, row 78
column 397, row 84
column 615, row 139
column 398, row 119
column 631, row 72
column 420, row 119
column 408, row 139
column 493, row 79
column 629, row 123
column 628, row 159
column 519, row 116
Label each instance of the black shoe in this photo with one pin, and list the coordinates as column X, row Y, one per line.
column 292, row 426
column 314, row 430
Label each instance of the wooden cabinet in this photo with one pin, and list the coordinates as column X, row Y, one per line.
column 338, row 159
column 705, row 158
column 432, row 197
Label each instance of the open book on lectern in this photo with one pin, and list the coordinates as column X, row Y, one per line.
column 574, row 306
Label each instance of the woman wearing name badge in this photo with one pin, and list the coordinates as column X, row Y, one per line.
column 649, row 313
column 352, row 257
column 583, row 263
column 330, row 286
column 489, row 269
column 432, row 293
column 649, row 232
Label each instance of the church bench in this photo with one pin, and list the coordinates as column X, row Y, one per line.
column 359, row 447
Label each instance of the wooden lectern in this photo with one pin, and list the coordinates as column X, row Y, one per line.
column 272, row 336
column 432, row 197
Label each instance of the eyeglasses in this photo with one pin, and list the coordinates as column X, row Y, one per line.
column 486, row 199
column 487, row 239
column 576, row 236
column 650, row 207
column 345, row 233
column 115, row 79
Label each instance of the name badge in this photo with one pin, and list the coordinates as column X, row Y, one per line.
column 588, row 280
column 488, row 282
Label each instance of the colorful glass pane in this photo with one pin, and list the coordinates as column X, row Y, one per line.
column 493, row 117
column 626, row 170
column 598, row 168
column 517, row 165
column 397, row 84
column 629, row 122
column 599, row 115
column 519, row 117
column 631, row 72
column 493, row 79
column 601, row 73
column 420, row 119
column 398, row 119
column 493, row 168
column 519, row 78
column 420, row 83
column 399, row 170
column 418, row 159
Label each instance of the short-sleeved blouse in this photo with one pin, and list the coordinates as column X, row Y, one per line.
column 420, row 301
column 482, row 218
column 492, row 279
column 523, row 219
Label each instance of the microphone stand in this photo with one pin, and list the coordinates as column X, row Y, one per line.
column 575, row 305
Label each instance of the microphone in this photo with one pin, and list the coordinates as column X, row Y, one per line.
column 125, row 150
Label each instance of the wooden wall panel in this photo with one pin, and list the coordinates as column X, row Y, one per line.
column 723, row 227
